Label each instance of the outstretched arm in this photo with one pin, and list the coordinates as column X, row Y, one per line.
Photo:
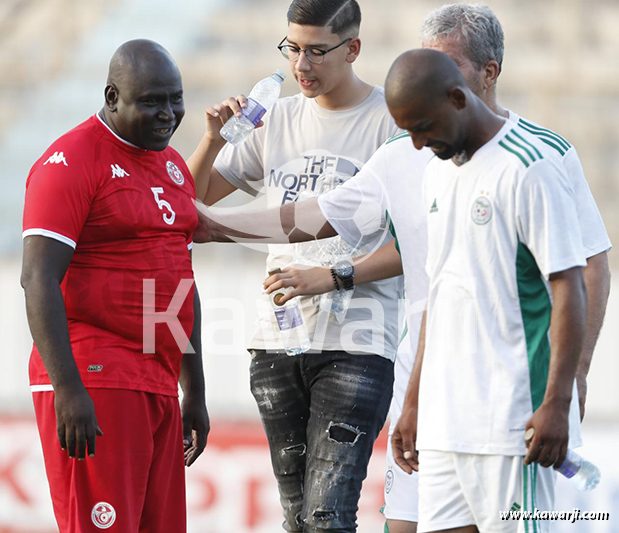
column 382, row 264
column 597, row 280
column 567, row 329
column 294, row 222
column 45, row 263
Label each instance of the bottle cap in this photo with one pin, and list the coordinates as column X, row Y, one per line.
column 279, row 74
column 528, row 434
column 274, row 271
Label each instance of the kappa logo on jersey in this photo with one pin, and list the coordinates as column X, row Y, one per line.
column 118, row 172
column 481, row 211
column 103, row 515
column 175, row 173
column 388, row 481
column 56, row 158
column 434, row 207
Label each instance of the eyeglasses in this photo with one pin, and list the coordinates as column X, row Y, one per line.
column 313, row 55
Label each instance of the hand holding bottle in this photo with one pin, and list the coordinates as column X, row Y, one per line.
column 292, row 329
column 582, row 473
column 261, row 98
column 217, row 115
column 548, row 443
column 301, row 280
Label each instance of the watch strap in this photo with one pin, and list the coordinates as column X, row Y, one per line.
column 334, row 276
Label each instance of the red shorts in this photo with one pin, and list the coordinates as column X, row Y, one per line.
column 135, row 482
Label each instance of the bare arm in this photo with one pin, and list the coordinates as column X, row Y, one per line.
column 196, row 424
column 45, row 263
column 403, row 440
column 382, row 264
column 294, row 222
column 597, row 280
column 567, row 330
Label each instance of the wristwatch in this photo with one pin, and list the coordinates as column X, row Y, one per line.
column 346, row 272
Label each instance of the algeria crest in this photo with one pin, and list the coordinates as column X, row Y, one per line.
column 481, row 211
column 388, row 481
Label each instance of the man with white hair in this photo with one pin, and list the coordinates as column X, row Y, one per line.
column 472, row 35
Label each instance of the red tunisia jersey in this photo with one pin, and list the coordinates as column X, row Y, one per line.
column 129, row 215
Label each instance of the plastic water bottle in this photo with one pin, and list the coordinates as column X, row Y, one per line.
column 292, row 329
column 328, row 252
column 261, row 98
column 582, row 473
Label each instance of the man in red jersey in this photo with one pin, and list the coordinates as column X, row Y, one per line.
column 112, row 307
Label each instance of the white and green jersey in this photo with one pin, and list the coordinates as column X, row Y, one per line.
column 387, row 193
column 498, row 226
column 300, row 146
column 594, row 236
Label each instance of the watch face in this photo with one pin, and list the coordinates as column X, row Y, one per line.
column 344, row 269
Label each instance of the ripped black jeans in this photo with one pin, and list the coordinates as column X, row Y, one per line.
column 321, row 414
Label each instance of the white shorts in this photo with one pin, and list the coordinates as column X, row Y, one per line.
column 460, row 489
column 401, row 491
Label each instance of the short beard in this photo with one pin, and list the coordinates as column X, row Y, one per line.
column 460, row 158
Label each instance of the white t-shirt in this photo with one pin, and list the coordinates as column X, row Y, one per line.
column 299, row 145
column 595, row 238
column 498, row 226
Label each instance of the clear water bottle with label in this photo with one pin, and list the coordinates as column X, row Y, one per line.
column 292, row 329
column 261, row 98
column 582, row 473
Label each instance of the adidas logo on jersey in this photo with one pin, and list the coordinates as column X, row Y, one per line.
column 434, row 207
column 57, row 157
column 118, row 172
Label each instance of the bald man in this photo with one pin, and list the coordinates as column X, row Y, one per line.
column 112, row 307
column 502, row 225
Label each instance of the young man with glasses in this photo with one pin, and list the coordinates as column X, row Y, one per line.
column 321, row 410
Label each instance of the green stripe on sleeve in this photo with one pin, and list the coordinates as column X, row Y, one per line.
column 549, row 140
column 396, row 137
column 553, row 145
column 545, row 131
column 535, row 308
column 517, row 154
column 539, row 154
column 521, row 146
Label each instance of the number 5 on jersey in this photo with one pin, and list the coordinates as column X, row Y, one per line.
column 162, row 204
